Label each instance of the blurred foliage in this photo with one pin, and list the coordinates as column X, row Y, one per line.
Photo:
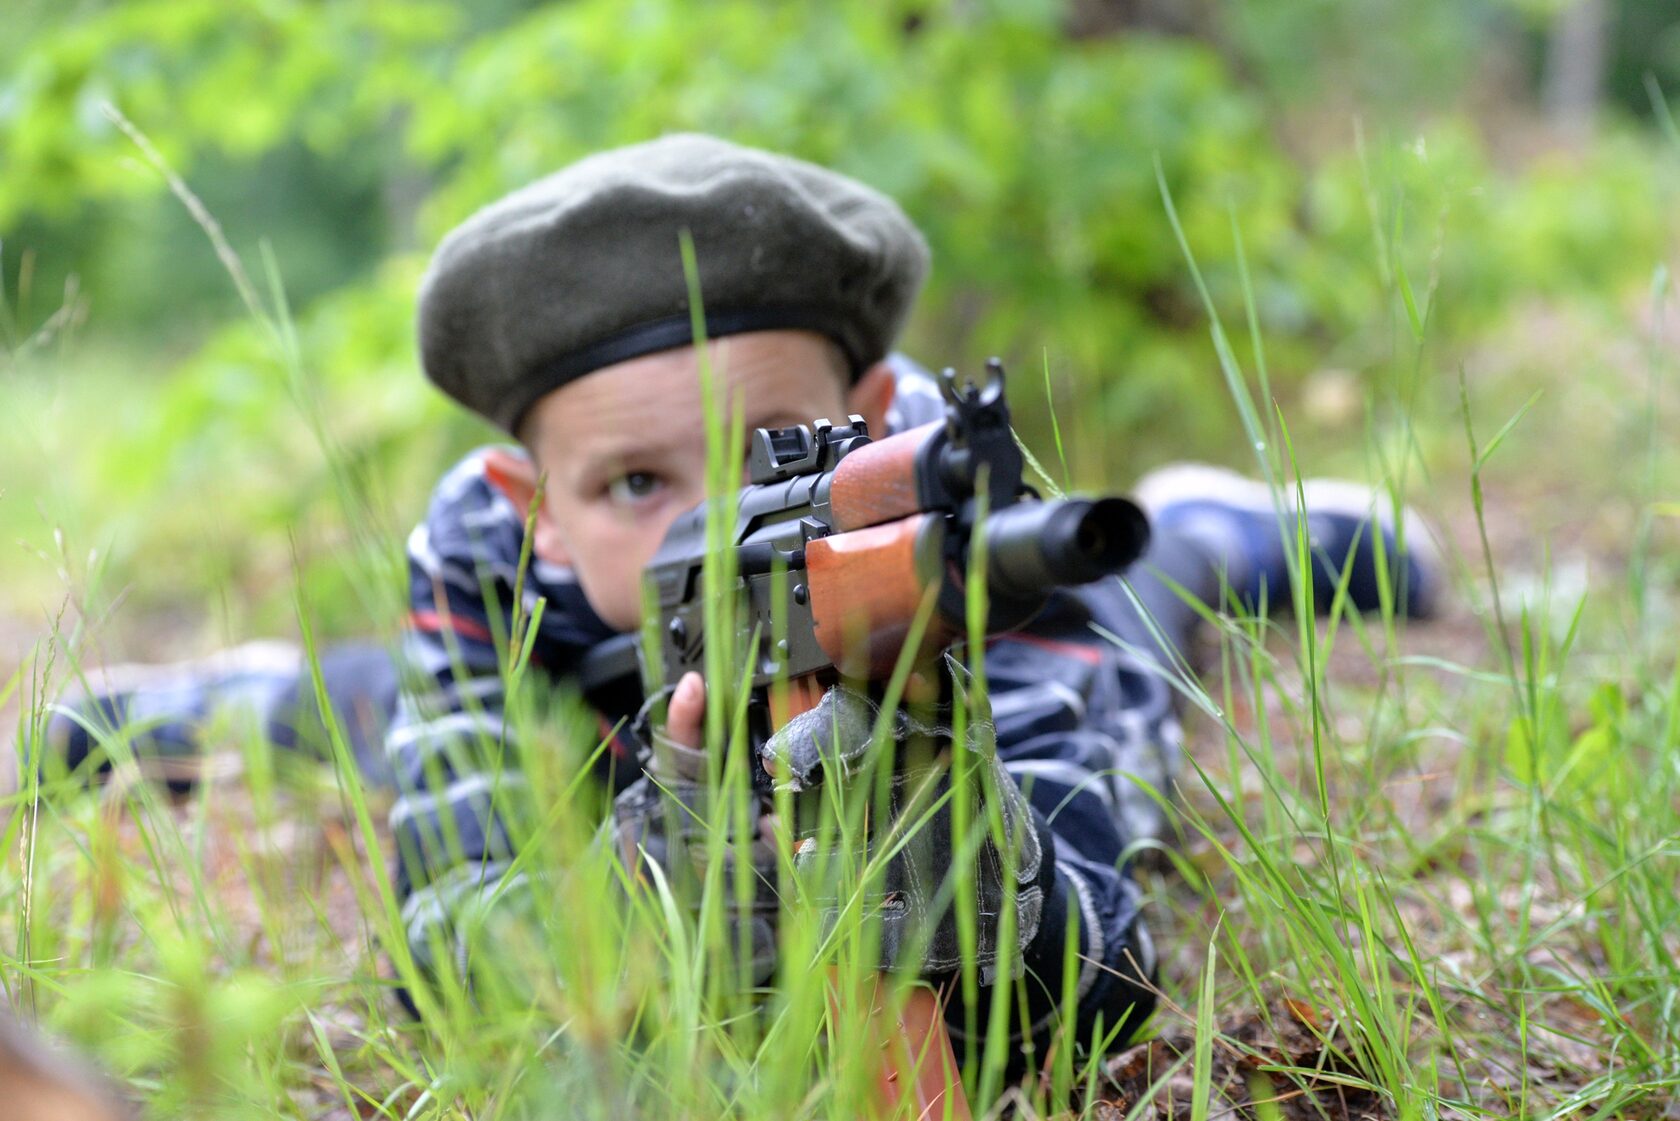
column 350, row 136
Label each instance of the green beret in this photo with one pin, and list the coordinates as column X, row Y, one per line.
column 584, row 268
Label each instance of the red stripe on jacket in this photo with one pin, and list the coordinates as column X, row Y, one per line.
column 1091, row 655
column 433, row 623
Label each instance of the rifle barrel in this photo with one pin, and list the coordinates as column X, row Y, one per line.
column 1032, row 547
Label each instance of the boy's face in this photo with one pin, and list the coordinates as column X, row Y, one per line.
column 624, row 447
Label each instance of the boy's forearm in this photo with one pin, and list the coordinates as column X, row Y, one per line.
column 1112, row 977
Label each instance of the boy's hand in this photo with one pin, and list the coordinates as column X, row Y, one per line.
column 686, row 712
column 664, row 817
column 677, row 752
column 917, row 891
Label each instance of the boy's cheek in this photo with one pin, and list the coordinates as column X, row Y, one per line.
column 608, row 548
column 608, row 558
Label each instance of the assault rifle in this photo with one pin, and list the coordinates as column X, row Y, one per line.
column 837, row 541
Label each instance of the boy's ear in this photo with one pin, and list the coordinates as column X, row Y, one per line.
column 516, row 476
column 871, row 395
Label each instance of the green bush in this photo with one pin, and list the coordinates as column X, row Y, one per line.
column 343, row 132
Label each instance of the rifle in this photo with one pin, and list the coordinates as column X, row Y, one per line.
column 840, row 537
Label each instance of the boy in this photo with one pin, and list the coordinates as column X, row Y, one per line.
column 561, row 315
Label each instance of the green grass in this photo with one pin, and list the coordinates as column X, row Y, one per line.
column 1422, row 871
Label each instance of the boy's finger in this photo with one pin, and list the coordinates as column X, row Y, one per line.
column 686, row 711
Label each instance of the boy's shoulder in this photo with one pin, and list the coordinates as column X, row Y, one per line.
column 474, row 518
column 916, row 398
column 470, row 548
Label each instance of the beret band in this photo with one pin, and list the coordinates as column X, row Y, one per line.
column 675, row 331
column 583, row 269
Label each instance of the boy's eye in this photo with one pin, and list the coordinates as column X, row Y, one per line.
column 633, row 487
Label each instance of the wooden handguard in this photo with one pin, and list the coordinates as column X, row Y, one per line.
column 878, row 483
column 865, row 589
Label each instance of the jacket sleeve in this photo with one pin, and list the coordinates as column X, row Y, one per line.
column 458, row 784
column 1080, row 725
